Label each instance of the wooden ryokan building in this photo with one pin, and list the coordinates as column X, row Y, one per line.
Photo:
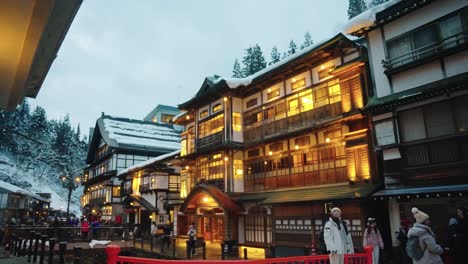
column 264, row 158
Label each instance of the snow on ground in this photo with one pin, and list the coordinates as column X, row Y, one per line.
column 49, row 183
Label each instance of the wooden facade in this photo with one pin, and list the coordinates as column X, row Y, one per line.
column 295, row 127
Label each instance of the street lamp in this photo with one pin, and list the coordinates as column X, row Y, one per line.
column 71, row 184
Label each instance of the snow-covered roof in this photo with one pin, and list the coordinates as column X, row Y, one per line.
column 366, row 19
column 18, row 190
column 148, row 162
column 178, row 116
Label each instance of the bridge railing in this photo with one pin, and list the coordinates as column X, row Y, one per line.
column 113, row 257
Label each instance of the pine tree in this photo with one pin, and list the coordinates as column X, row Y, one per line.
column 236, row 70
column 377, row 2
column 356, row 7
column 285, row 55
column 292, row 48
column 253, row 60
column 307, row 41
column 275, row 56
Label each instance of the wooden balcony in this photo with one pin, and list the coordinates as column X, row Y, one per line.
column 435, row 153
column 292, row 123
column 260, row 181
column 210, row 141
column 145, row 188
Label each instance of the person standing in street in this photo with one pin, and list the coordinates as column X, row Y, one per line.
column 166, row 239
column 461, row 242
column 426, row 240
column 372, row 237
column 192, row 234
column 337, row 237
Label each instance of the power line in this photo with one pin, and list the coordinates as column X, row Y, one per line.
column 20, row 134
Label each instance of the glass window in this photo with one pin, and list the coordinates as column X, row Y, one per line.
column 204, row 114
column 272, row 93
column 297, row 84
column 439, row 120
column 451, row 27
column 236, row 121
column 251, row 103
column 412, row 125
column 460, row 108
column 216, row 108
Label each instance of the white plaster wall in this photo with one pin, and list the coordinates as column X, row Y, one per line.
column 237, row 136
column 315, row 77
column 350, row 56
column 279, row 86
column 422, row 16
column 391, row 154
column 427, row 73
column 259, row 101
column 305, row 75
column 161, row 182
column 377, row 54
column 456, row 63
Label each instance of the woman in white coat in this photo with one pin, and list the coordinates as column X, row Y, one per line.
column 337, row 237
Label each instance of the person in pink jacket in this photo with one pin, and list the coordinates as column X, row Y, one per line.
column 372, row 237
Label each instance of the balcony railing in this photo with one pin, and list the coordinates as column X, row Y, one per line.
column 436, row 152
column 292, row 123
column 100, row 200
column 260, row 181
column 145, row 187
column 210, row 141
column 448, row 43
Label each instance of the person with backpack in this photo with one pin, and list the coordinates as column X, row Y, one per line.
column 192, row 234
column 421, row 245
column 337, row 237
column 372, row 237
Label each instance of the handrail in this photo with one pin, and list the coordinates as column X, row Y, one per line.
column 389, row 64
column 113, row 257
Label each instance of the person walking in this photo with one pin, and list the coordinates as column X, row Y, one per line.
column 84, row 228
column 460, row 245
column 451, row 245
column 192, row 234
column 372, row 237
column 426, row 242
column 166, row 239
column 337, row 237
column 402, row 237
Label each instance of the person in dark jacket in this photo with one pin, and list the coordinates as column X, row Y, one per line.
column 402, row 236
column 166, row 239
column 461, row 242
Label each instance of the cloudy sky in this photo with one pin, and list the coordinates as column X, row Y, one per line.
column 125, row 57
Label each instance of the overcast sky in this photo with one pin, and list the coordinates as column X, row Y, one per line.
column 125, row 57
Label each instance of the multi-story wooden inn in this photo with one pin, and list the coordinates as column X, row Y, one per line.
column 418, row 58
column 116, row 144
column 265, row 157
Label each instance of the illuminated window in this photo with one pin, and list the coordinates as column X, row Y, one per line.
column 302, row 141
column 183, row 188
column 203, row 113
column 216, row 108
column 116, row 191
column 301, row 83
column 334, row 93
column 166, row 118
column 211, row 126
column 277, row 146
column 217, row 156
column 325, row 72
column 272, row 93
column 236, row 121
column 183, row 147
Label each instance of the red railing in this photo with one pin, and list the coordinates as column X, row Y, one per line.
column 358, row 258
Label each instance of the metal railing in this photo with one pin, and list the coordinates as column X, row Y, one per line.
column 425, row 51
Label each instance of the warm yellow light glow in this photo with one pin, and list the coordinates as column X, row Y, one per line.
column 327, row 140
column 78, row 179
column 266, row 163
column 131, row 203
column 186, row 167
column 269, row 90
column 152, row 179
column 205, row 199
column 225, row 99
column 94, row 211
column 270, row 153
column 296, row 147
column 150, row 217
column 322, row 67
column 293, row 80
column 64, row 178
column 226, row 158
column 187, row 117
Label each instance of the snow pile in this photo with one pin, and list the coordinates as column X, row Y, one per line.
column 142, row 134
column 28, row 181
column 98, row 242
column 366, row 19
column 148, row 162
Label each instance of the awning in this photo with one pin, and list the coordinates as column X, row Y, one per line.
column 422, row 190
column 315, row 193
column 142, row 201
column 226, row 202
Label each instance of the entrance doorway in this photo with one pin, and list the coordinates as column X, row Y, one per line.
column 213, row 228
